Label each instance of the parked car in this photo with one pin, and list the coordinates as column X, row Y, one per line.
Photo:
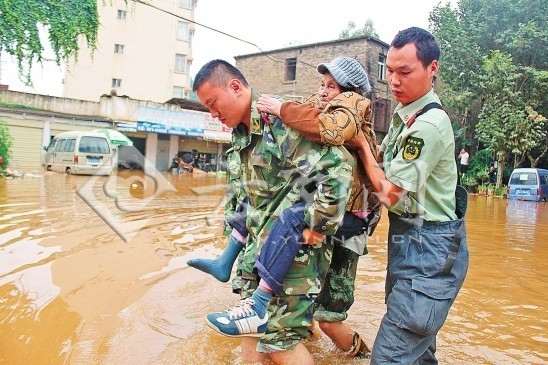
column 528, row 184
column 84, row 153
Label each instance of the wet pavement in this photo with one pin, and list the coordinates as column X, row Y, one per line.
column 93, row 271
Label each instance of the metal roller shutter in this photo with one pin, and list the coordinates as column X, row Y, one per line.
column 27, row 146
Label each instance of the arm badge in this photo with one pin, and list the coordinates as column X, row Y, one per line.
column 412, row 148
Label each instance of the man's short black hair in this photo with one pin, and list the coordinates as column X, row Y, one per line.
column 218, row 73
column 428, row 49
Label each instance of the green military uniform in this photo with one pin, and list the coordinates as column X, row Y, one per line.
column 427, row 251
column 420, row 160
column 275, row 166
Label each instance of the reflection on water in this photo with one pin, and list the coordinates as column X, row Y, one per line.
column 73, row 291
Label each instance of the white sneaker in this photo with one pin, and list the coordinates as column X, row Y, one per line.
column 240, row 320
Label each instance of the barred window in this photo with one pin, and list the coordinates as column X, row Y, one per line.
column 182, row 31
column 179, row 92
column 180, row 63
column 118, row 48
column 122, row 14
column 382, row 67
column 185, row 3
column 290, row 69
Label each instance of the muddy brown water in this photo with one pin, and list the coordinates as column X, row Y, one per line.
column 73, row 290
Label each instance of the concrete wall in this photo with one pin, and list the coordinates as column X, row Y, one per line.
column 50, row 103
column 115, row 108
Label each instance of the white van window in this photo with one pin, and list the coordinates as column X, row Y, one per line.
column 544, row 180
column 94, row 145
column 60, row 146
column 69, row 146
column 51, row 145
column 524, row 178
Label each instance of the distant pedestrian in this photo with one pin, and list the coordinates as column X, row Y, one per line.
column 463, row 158
column 492, row 174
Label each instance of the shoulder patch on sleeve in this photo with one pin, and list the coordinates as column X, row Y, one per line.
column 412, row 148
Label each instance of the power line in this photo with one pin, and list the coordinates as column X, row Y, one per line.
column 218, row 31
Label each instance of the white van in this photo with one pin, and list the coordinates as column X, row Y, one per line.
column 528, row 184
column 83, row 153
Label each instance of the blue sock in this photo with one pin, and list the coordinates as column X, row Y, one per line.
column 261, row 298
column 221, row 267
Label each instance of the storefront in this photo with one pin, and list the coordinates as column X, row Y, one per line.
column 159, row 131
column 171, row 133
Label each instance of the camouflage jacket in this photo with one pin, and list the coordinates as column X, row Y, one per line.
column 275, row 167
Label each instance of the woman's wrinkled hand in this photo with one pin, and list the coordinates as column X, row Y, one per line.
column 269, row 104
column 357, row 143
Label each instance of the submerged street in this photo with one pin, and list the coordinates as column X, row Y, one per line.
column 93, row 271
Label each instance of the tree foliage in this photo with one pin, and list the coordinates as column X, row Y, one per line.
column 65, row 20
column 5, row 145
column 494, row 66
column 368, row 29
column 506, row 122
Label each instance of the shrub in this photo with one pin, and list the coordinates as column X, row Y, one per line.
column 469, row 180
column 479, row 165
column 500, row 191
column 482, row 189
column 5, row 145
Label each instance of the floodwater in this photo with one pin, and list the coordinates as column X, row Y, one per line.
column 75, row 291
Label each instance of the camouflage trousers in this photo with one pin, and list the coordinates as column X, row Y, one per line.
column 291, row 312
column 337, row 295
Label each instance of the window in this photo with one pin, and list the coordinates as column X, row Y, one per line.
column 116, row 82
column 190, row 36
column 185, row 3
column 290, row 69
column 69, row 146
column 179, row 92
column 182, row 31
column 51, row 146
column 60, row 146
column 382, row 67
column 121, row 15
column 94, row 145
column 523, row 178
column 118, row 48
column 180, row 63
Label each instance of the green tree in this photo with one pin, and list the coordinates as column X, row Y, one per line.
column 66, row 21
column 5, row 145
column 368, row 29
column 468, row 35
column 506, row 123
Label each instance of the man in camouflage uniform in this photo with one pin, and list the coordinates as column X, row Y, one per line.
column 274, row 164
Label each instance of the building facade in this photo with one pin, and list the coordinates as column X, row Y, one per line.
column 142, row 53
column 291, row 72
column 159, row 131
